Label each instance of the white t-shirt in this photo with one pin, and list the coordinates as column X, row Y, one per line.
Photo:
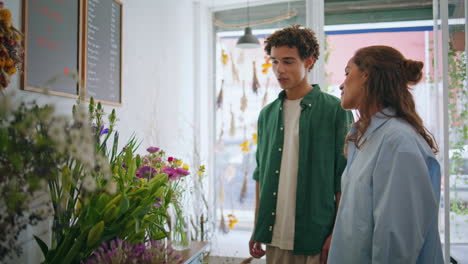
column 283, row 231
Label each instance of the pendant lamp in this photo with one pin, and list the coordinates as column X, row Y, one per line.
column 248, row 40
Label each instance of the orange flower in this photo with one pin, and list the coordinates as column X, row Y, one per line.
column 224, row 58
column 254, row 138
column 2, row 62
column 11, row 70
column 9, row 63
column 232, row 220
column 5, row 15
column 245, row 146
column 266, row 65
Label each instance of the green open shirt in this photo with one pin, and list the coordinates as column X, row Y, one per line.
column 323, row 126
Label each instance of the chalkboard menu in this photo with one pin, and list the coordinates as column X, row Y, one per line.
column 53, row 49
column 103, row 51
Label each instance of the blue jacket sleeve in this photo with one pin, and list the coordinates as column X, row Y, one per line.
column 404, row 202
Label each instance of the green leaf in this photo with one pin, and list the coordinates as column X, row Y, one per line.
column 75, row 250
column 159, row 235
column 114, row 147
column 95, row 234
column 137, row 224
column 63, row 247
column 131, row 170
column 42, row 245
column 102, row 202
column 141, row 211
column 124, row 204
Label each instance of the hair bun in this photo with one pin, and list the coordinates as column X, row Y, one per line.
column 413, row 70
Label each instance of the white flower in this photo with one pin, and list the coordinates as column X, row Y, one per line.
column 81, row 114
column 74, row 150
column 104, row 166
column 87, row 160
column 89, row 183
column 57, row 132
column 111, row 187
column 87, row 150
column 75, row 136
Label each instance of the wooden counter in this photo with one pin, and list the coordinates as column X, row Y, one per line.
column 194, row 254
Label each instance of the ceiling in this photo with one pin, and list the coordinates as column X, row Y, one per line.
column 336, row 11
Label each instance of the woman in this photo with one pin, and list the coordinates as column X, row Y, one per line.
column 391, row 185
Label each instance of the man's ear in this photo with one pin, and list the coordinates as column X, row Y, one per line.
column 309, row 63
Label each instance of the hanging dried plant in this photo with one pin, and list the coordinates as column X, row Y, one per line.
column 222, row 225
column 255, row 82
column 232, row 130
column 220, row 143
column 229, row 174
column 240, row 59
column 235, row 72
column 265, row 96
column 243, row 102
column 243, row 192
column 221, row 193
column 219, row 98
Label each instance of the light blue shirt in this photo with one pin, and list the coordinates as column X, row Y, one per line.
column 390, row 198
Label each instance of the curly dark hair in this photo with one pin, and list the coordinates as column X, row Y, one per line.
column 294, row 36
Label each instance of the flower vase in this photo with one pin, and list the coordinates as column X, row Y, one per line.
column 180, row 228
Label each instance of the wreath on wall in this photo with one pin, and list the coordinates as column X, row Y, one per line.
column 11, row 48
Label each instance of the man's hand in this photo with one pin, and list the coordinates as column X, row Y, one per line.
column 256, row 249
column 325, row 249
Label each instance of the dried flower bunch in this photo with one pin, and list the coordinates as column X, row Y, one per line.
column 11, row 47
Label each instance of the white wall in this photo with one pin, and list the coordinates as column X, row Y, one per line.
column 158, row 76
column 164, row 104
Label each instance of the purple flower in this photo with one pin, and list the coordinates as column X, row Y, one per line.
column 112, row 244
column 171, row 173
column 152, row 149
column 146, row 172
column 124, row 165
column 103, row 130
column 182, row 172
column 134, row 253
column 157, row 204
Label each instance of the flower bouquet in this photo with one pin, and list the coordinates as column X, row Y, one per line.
column 98, row 192
column 11, row 47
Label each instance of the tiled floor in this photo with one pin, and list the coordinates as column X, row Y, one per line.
column 227, row 260
column 233, row 247
column 233, row 244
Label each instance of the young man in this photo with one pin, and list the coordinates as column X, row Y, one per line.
column 300, row 157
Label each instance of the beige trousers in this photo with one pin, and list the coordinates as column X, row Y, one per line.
column 276, row 255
